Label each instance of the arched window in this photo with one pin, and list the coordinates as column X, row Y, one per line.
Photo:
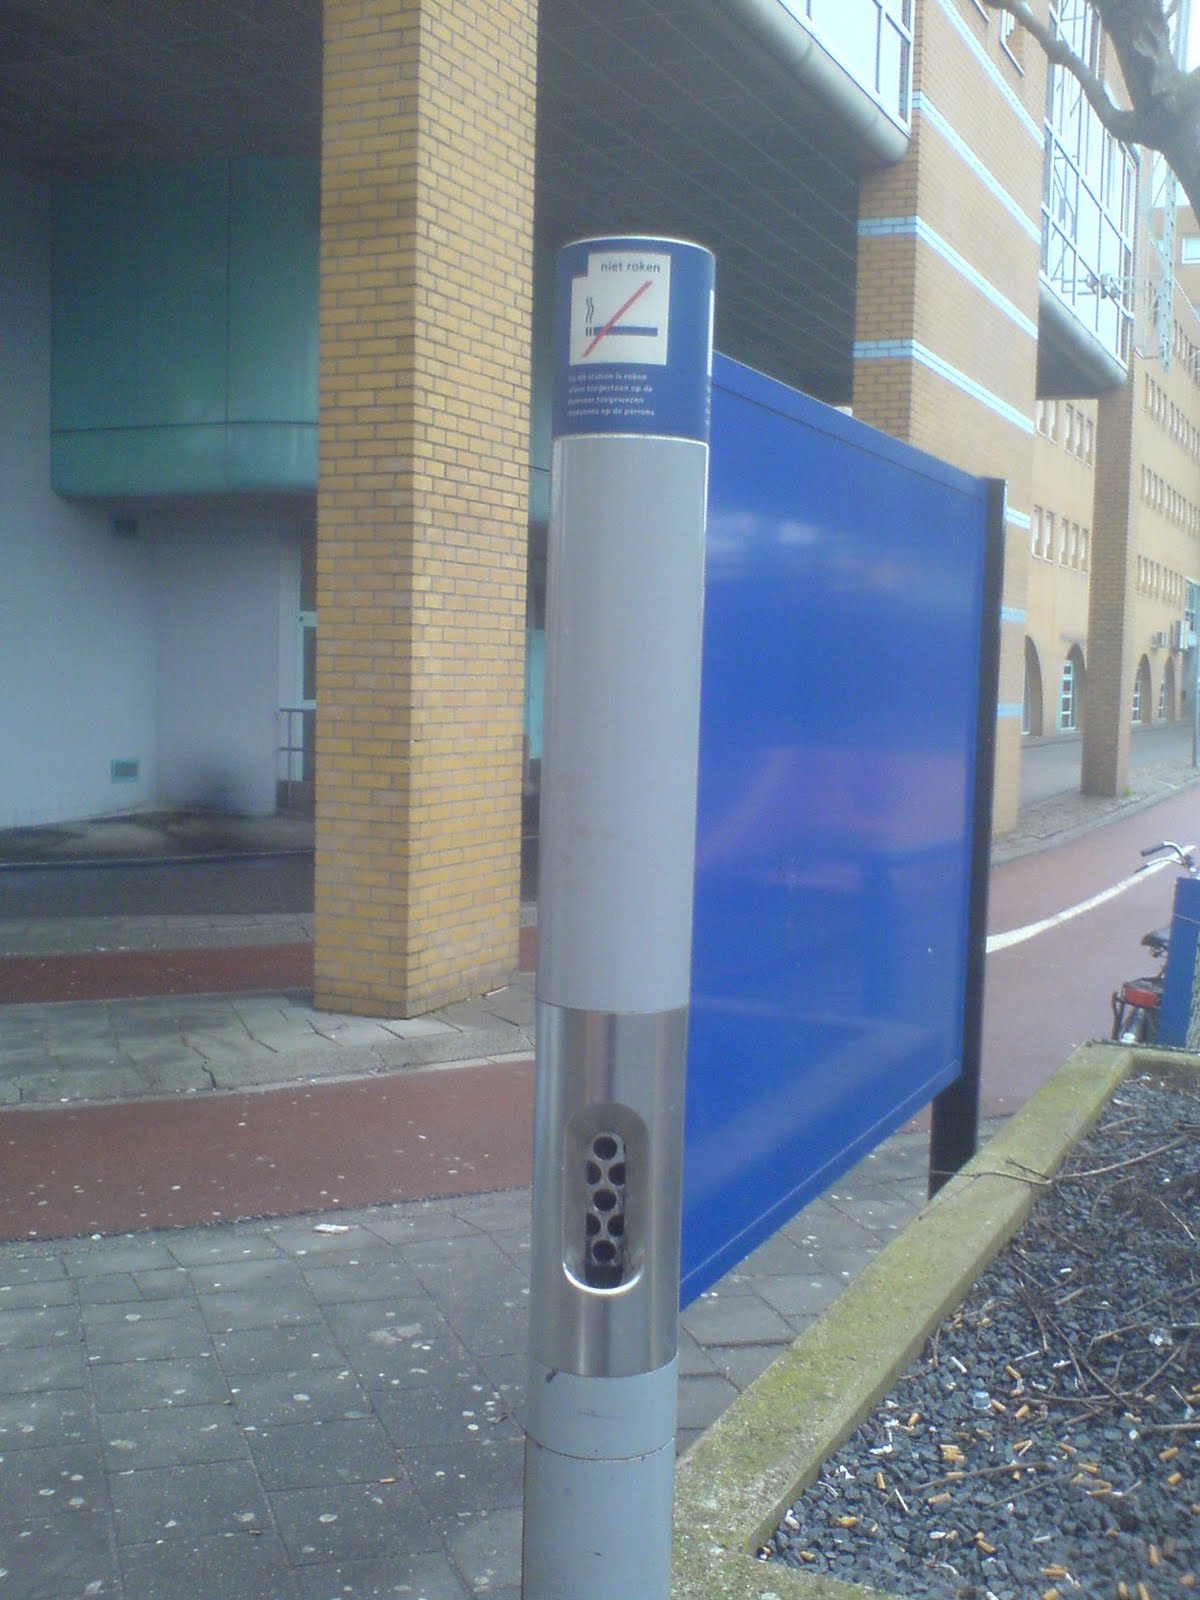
column 1031, row 704
column 1141, row 692
column 1068, row 707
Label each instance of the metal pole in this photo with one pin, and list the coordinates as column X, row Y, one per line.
column 1196, row 701
column 954, row 1118
column 625, row 576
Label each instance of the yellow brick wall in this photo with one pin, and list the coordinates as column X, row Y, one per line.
column 426, row 239
column 911, row 289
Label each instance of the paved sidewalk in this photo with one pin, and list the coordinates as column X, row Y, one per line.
column 314, row 1408
column 325, row 1404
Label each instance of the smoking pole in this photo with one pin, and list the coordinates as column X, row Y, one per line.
column 625, row 576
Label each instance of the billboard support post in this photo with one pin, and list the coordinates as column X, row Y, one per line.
column 625, row 585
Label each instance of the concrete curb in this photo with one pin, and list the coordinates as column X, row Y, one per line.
column 739, row 1478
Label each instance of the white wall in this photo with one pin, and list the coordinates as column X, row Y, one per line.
column 169, row 648
column 220, row 575
column 77, row 613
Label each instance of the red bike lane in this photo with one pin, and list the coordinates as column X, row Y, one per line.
column 1050, row 992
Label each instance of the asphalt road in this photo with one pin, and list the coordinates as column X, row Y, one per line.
column 1050, row 992
column 132, row 889
column 1051, row 766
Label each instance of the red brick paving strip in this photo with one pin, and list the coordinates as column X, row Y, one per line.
column 140, row 974
column 214, row 1158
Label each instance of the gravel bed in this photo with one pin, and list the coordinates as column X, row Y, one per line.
column 1047, row 1442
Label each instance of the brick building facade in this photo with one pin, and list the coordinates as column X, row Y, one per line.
column 911, row 217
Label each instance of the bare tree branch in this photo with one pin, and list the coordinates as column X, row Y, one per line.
column 1164, row 114
column 1121, row 123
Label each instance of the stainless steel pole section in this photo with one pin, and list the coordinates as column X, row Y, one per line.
column 625, row 598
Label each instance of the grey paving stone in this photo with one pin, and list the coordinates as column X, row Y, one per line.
column 38, row 1369
column 114, row 1288
column 37, row 1293
column 37, row 1325
column 741, row 1364
column 702, row 1398
column 350, row 1522
column 171, row 1437
column 265, row 1275
column 169, row 1077
column 346, row 1031
column 100, row 1313
column 149, row 1339
column 778, row 1256
column 31, row 1421
column 508, row 1376
column 417, row 1226
column 504, row 1208
column 374, row 1278
column 487, row 1476
column 801, row 1295
column 416, row 1027
column 393, row 1353
column 140, row 1385
column 517, row 1245
column 187, row 1502
column 127, row 1256
column 486, row 1549
column 481, row 1045
column 419, row 1575
column 57, row 1480
column 246, row 1308
column 387, row 1323
column 694, row 1359
column 309, row 1454
column 471, row 1271
column 21, row 1264
column 59, row 1558
column 71, row 1085
column 454, row 1413
column 492, row 1328
column 234, row 1566
column 474, row 1015
column 210, row 1246
column 277, row 1399
column 724, row 1319
column 243, row 1070
column 305, row 1346
column 515, row 1004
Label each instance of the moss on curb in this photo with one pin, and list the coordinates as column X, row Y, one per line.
column 737, row 1480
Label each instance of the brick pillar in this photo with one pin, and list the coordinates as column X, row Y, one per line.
column 426, row 246
column 1108, row 690
column 945, row 348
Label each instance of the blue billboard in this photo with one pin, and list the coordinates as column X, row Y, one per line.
column 844, row 641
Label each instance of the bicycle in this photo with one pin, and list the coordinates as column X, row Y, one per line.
column 1137, row 1004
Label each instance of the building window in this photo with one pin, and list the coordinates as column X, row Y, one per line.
column 1088, row 197
column 874, row 44
column 1067, row 707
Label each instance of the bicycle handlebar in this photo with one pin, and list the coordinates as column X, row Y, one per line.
column 1184, row 857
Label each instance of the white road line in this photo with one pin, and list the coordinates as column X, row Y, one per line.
column 1004, row 941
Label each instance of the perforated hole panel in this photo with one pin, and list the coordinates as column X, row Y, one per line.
column 604, row 1251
